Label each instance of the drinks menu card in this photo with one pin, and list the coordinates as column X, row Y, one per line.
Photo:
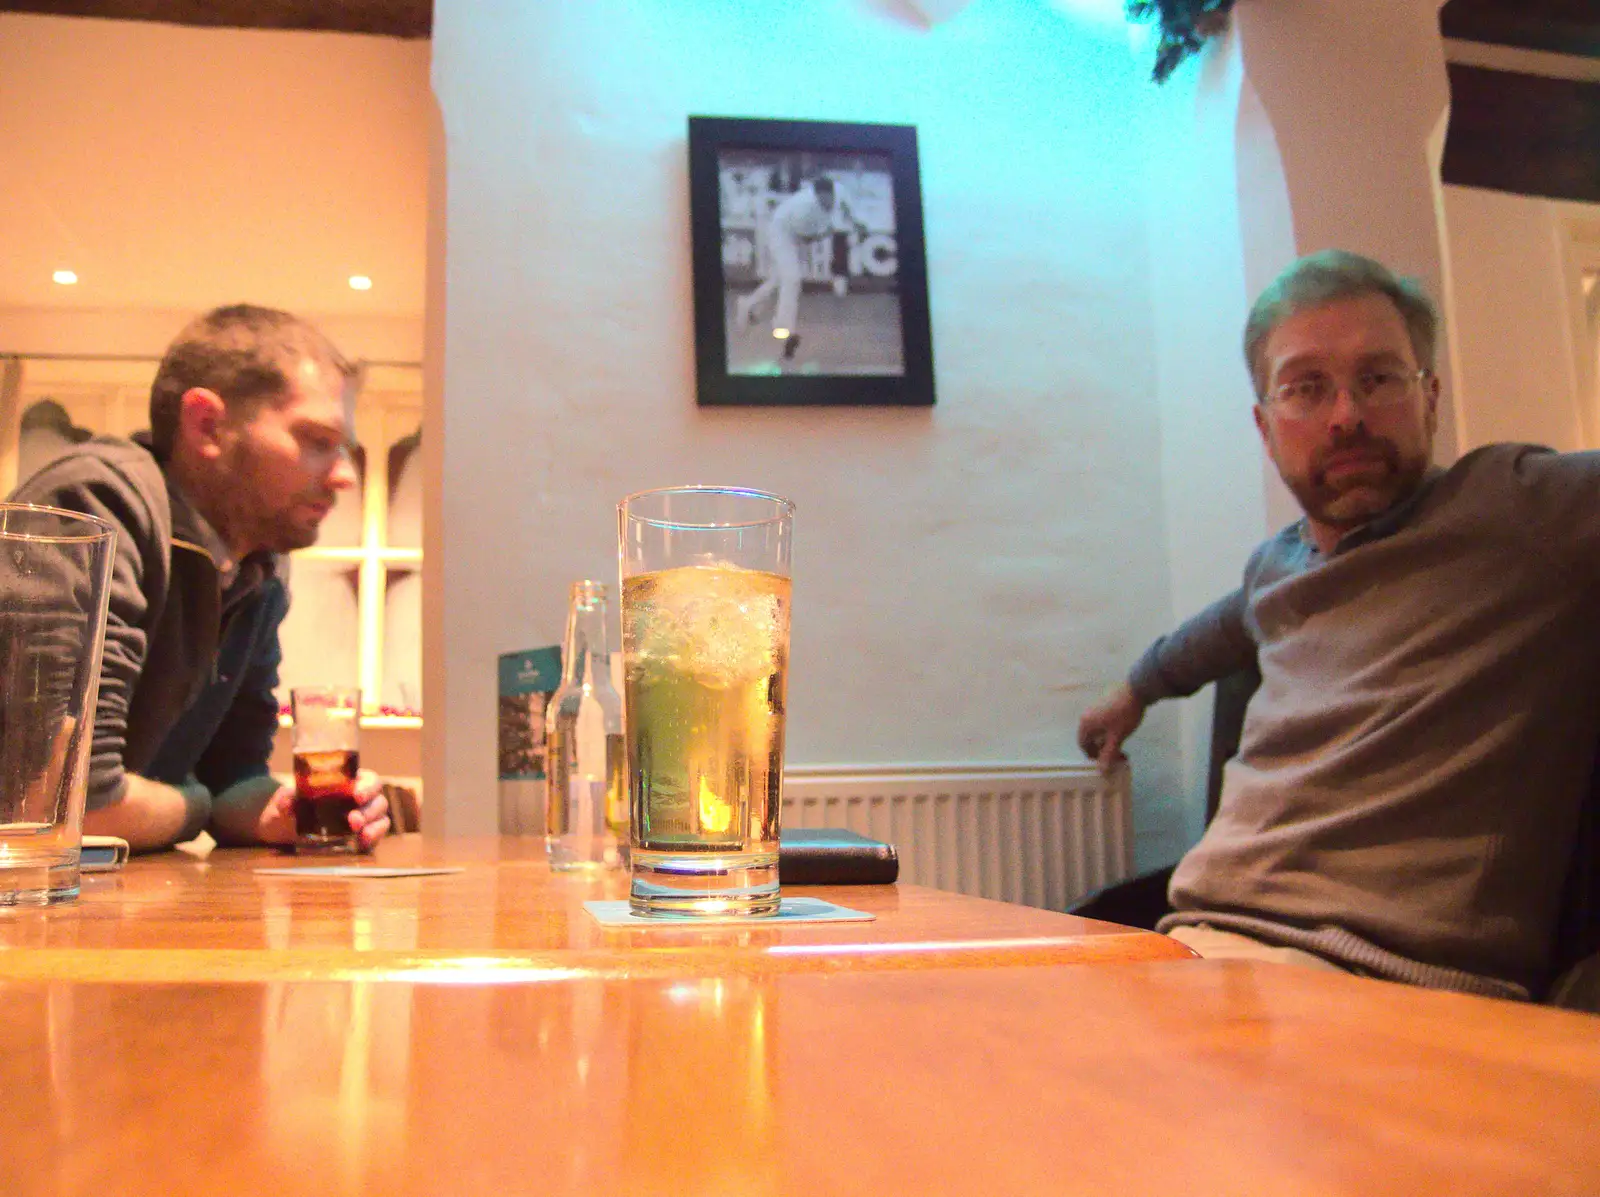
column 527, row 680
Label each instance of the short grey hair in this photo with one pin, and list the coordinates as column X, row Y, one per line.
column 1326, row 277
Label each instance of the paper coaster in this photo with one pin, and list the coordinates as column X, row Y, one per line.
column 790, row 910
column 345, row 872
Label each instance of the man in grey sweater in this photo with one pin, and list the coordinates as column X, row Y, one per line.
column 1412, row 767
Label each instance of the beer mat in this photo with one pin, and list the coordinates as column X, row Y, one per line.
column 790, row 910
column 345, row 872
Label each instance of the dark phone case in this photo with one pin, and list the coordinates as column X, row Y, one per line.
column 829, row 856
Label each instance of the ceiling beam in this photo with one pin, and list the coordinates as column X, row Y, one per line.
column 1559, row 26
column 387, row 18
column 1524, row 133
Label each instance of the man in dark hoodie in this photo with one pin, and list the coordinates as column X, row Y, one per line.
column 250, row 423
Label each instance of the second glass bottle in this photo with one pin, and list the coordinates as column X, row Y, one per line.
column 586, row 770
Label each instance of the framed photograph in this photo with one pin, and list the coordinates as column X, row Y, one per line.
column 810, row 279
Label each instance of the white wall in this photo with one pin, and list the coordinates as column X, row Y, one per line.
column 967, row 578
column 146, row 332
column 1215, row 184
column 1514, row 308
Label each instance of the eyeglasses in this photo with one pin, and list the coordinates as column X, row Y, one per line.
column 1373, row 390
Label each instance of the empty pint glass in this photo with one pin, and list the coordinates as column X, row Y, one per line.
column 55, row 582
column 705, row 639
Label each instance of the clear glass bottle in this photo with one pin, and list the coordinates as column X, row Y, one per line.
column 586, row 793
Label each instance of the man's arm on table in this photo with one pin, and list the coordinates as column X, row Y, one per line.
column 234, row 797
column 253, row 810
column 259, row 810
column 1205, row 648
column 151, row 814
column 251, row 806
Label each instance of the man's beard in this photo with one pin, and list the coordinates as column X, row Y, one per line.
column 275, row 530
column 279, row 533
column 1357, row 497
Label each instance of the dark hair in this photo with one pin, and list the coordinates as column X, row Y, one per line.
column 1332, row 275
column 822, row 183
column 245, row 353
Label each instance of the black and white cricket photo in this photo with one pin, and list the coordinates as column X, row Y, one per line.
column 810, row 263
column 810, row 276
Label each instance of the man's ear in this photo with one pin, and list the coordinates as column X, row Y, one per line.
column 203, row 422
column 1259, row 412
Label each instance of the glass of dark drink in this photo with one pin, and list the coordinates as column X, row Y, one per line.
column 327, row 755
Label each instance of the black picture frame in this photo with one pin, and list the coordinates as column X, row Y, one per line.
column 846, row 332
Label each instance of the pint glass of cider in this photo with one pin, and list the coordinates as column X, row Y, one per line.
column 705, row 641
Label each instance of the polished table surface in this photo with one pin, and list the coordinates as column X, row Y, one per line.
column 178, row 917
column 1194, row 1077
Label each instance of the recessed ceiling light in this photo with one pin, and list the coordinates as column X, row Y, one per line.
column 360, row 282
column 65, row 277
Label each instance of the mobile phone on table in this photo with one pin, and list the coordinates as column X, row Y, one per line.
column 102, row 854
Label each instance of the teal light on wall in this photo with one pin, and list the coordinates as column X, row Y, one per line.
column 1099, row 12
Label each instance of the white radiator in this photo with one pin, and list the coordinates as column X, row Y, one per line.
column 1037, row 834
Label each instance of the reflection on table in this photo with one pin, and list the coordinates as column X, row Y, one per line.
column 1197, row 1077
column 505, row 915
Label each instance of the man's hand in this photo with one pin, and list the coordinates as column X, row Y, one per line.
column 370, row 819
column 1107, row 724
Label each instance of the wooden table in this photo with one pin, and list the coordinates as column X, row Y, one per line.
column 1189, row 1078
column 174, row 917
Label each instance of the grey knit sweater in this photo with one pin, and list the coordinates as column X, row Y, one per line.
column 1411, row 769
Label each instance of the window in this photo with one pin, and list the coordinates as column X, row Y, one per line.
column 357, row 594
